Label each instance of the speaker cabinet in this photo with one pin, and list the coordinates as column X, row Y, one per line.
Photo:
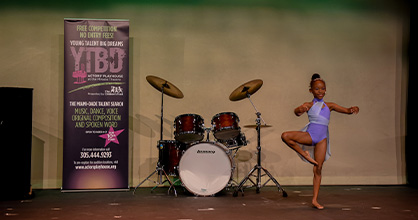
column 15, row 142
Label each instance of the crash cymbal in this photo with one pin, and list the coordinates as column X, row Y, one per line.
column 255, row 126
column 169, row 88
column 250, row 88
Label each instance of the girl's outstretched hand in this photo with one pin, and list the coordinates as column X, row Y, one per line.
column 354, row 110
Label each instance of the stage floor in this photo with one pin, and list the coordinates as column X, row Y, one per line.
column 341, row 202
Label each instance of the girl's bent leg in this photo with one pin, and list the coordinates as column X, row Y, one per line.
column 293, row 138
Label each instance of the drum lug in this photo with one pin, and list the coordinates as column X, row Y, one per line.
column 228, row 152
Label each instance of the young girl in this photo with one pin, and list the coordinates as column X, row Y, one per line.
column 314, row 138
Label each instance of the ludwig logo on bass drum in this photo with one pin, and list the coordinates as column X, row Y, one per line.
column 205, row 151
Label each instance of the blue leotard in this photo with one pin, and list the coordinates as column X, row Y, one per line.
column 319, row 115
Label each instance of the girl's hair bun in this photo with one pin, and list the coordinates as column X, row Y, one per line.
column 315, row 76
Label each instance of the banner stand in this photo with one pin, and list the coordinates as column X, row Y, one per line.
column 94, row 190
column 96, row 105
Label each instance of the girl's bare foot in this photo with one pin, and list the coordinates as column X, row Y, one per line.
column 308, row 157
column 316, row 205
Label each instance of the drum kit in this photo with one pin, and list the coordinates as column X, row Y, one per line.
column 206, row 167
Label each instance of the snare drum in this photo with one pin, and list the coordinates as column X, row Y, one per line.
column 206, row 168
column 225, row 126
column 189, row 128
column 172, row 151
column 236, row 142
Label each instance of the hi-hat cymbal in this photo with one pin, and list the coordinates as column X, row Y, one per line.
column 169, row 88
column 242, row 91
column 255, row 126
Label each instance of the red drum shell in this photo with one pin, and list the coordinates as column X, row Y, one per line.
column 225, row 126
column 172, row 153
column 189, row 128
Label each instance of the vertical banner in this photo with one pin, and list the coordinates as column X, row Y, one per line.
column 96, row 108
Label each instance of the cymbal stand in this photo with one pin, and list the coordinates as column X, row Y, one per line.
column 160, row 167
column 258, row 166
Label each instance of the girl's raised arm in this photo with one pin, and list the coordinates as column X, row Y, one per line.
column 334, row 107
column 303, row 108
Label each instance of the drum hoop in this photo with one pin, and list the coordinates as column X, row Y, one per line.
column 189, row 114
column 188, row 132
column 167, row 141
column 228, row 128
column 225, row 113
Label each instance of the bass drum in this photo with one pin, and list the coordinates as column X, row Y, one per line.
column 206, row 168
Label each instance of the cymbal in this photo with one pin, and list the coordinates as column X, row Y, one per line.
column 255, row 126
column 169, row 88
column 250, row 87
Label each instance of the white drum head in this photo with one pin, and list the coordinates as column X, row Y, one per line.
column 205, row 168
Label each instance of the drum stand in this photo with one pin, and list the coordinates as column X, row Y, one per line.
column 160, row 167
column 258, row 166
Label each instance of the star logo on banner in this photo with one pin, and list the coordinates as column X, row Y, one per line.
column 111, row 136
